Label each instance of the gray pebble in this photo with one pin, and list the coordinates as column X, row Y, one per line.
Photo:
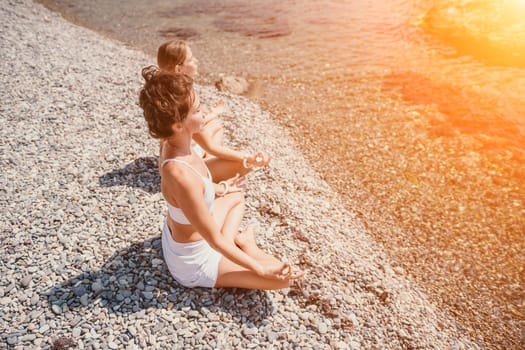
column 249, row 330
column 76, row 332
column 27, row 337
column 56, row 309
column 322, row 327
column 132, row 330
column 35, row 314
column 353, row 345
column 79, row 291
column 35, row 299
column 26, row 281
column 96, row 287
column 9, row 288
column 43, row 329
column 194, row 314
column 271, row 336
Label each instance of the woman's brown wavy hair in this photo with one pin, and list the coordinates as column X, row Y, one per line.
column 166, row 98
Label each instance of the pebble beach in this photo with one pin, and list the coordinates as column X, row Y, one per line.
column 80, row 255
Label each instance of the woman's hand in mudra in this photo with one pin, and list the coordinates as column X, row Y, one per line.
column 234, row 184
column 283, row 272
column 237, row 183
column 258, row 159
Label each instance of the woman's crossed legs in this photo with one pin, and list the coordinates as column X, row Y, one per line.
column 228, row 212
column 233, row 275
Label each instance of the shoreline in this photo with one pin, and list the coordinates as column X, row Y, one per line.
column 87, row 206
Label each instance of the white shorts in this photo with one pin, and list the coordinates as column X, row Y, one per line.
column 193, row 264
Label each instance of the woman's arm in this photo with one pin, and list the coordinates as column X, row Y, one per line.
column 205, row 140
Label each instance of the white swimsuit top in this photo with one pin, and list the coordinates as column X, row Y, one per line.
column 175, row 213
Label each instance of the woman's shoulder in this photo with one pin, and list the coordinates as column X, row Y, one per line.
column 174, row 167
column 177, row 172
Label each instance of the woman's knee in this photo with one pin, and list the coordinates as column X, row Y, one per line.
column 237, row 198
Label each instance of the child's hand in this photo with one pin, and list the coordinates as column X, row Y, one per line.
column 217, row 108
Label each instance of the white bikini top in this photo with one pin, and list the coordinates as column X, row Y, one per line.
column 175, row 213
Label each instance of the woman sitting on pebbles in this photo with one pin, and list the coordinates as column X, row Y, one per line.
column 200, row 239
column 175, row 56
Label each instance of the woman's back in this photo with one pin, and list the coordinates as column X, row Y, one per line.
column 176, row 176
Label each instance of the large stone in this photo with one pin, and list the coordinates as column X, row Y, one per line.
column 235, row 85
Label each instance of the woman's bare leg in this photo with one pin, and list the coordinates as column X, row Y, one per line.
column 235, row 276
column 246, row 241
column 228, row 212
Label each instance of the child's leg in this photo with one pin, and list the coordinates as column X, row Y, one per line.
column 214, row 129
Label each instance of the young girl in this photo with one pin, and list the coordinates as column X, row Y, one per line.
column 175, row 56
column 200, row 239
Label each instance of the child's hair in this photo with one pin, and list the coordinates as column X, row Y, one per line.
column 171, row 54
column 166, row 98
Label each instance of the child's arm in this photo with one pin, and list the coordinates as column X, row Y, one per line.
column 217, row 108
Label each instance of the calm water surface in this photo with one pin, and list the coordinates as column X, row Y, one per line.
column 422, row 132
column 322, row 43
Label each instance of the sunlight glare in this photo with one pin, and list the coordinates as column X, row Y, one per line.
column 491, row 30
column 516, row 5
column 518, row 2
